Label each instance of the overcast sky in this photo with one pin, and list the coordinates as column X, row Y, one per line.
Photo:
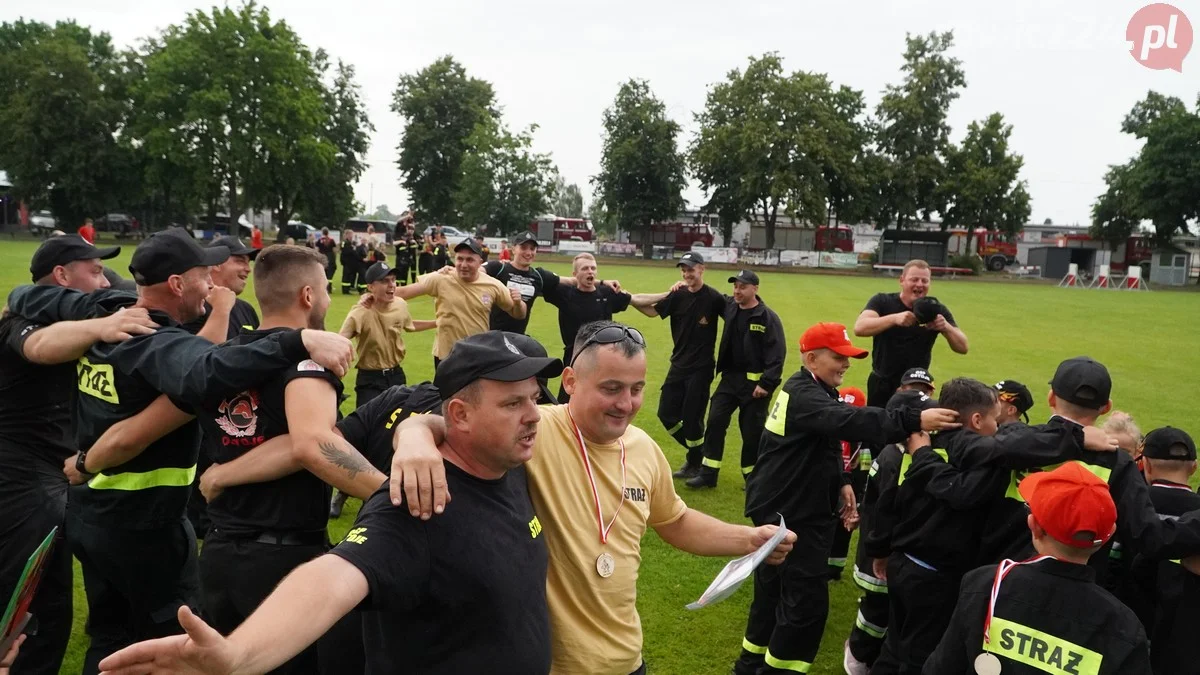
column 1059, row 71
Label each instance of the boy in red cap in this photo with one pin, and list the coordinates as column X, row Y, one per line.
column 799, row 475
column 1046, row 614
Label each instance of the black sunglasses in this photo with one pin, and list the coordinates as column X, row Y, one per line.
column 607, row 336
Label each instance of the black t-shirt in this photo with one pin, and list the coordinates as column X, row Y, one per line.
column 328, row 247
column 576, row 307
column 36, row 402
column 242, row 317
column 693, row 327
column 899, row 348
column 370, row 427
column 464, row 592
column 530, row 283
column 234, row 425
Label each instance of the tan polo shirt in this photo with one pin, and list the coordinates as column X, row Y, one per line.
column 594, row 624
column 380, row 333
column 463, row 308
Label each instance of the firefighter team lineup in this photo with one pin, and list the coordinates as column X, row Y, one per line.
column 501, row 522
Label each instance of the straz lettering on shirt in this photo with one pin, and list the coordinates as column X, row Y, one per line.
column 396, row 417
column 357, row 535
column 777, row 420
column 635, row 494
column 97, row 379
column 535, row 528
column 1047, row 653
column 758, row 328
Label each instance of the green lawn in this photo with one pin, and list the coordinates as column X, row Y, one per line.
column 1016, row 330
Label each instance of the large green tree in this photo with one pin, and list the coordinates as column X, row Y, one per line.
column 566, row 199
column 328, row 200
column 505, row 185
column 913, row 135
column 442, row 107
column 982, row 187
column 642, row 172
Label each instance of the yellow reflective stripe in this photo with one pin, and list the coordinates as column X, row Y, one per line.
column 837, row 562
column 868, row 582
column 711, row 463
column 777, row 420
column 906, row 461
column 753, row 648
column 754, row 377
column 1101, row 472
column 695, row 443
column 794, row 665
column 1043, row 651
column 747, row 469
column 868, row 627
column 168, row 477
column 672, row 430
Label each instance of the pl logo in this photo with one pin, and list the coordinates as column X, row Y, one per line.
column 1159, row 36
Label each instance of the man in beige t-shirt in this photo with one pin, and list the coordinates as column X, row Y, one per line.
column 463, row 301
column 597, row 483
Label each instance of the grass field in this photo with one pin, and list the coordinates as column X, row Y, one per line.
column 1016, row 330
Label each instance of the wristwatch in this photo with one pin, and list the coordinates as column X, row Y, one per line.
column 81, row 463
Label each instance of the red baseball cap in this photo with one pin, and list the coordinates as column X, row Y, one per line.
column 833, row 336
column 854, row 396
column 1071, row 504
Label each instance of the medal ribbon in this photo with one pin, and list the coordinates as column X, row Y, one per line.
column 587, row 464
column 1002, row 571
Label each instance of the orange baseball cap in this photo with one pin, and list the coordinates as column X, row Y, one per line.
column 854, row 396
column 832, row 336
column 1071, row 504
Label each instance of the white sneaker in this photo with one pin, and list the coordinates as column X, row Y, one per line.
column 852, row 665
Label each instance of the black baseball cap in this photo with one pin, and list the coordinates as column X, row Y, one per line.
column 524, row 237
column 911, row 398
column 171, row 252
column 926, row 309
column 490, row 356
column 378, row 271
column 470, row 244
column 533, row 348
column 235, row 246
column 63, row 250
column 691, row 259
column 1169, row 443
column 746, row 277
column 1082, row 381
column 1011, row 391
column 917, row 376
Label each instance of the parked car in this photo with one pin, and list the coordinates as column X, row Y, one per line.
column 122, row 225
column 298, row 231
column 452, row 233
column 42, row 223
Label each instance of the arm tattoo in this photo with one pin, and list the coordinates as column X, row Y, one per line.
column 352, row 462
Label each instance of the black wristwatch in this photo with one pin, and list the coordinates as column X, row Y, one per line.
column 81, row 463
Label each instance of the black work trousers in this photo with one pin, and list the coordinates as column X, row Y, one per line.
column 370, row 383
column 841, row 536
column 350, row 279
column 790, row 606
column 870, row 625
column 681, row 407
column 135, row 581
column 33, row 498
column 921, row 602
column 239, row 573
column 402, row 269
column 735, row 392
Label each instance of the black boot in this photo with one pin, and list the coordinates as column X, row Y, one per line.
column 707, row 478
column 688, row 470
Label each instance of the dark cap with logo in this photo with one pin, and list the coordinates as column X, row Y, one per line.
column 171, row 252
column 1017, row 394
column 1082, row 381
column 1169, row 443
column 470, row 244
column 531, row 347
column 378, row 271
column 524, row 237
column 911, row 398
column 64, row 250
column 690, row 259
column 927, row 309
column 745, row 277
column 917, row 376
column 489, row 356
column 235, row 246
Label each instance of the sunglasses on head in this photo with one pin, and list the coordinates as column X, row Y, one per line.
column 607, row 336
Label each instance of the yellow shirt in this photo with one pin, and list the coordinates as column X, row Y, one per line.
column 463, row 308
column 380, row 333
column 594, row 624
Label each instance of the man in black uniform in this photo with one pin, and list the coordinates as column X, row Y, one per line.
column 441, row 252
column 352, row 261
column 328, row 248
column 406, row 256
column 36, row 425
column 1046, row 614
column 462, row 593
column 799, row 475
column 1168, row 594
column 750, row 361
column 694, row 310
column 126, row 525
column 901, row 341
column 1015, row 402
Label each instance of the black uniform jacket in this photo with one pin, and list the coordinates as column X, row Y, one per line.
column 763, row 344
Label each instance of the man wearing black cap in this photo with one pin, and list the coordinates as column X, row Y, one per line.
column 464, row 300
column 694, row 311
column 231, row 274
column 36, row 424
column 461, row 593
column 1015, row 401
column 750, row 361
column 328, row 248
column 126, row 525
column 902, row 339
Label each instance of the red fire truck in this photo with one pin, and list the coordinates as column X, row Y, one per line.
column 553, row 229
column 992, row 247
column 680, row 236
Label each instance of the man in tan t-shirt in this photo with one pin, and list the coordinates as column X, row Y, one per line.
column 594, row 530
column 463, row 301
